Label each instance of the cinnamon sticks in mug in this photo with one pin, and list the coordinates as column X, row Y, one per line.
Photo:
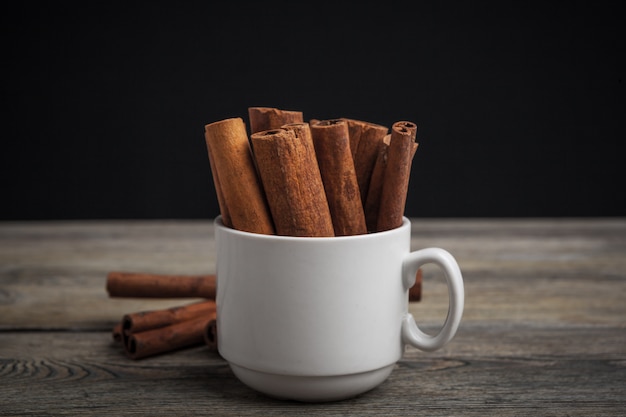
column 271, row 181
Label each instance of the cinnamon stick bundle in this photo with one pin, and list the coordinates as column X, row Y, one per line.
column 292, row 181
column 147, row 333
column 142, row 285
column 332, row 147
column 396, row 179
column 267, row 118
column 243, row 195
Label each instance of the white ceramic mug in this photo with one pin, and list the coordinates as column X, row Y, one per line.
column 322, row 318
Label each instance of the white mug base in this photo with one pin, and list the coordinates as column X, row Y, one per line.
column 312, row 388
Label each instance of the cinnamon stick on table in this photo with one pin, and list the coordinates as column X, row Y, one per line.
column 396, row 178
column 146, row 285
column 152, row 319
column 332, row 148
column 135, row 284
column 117, row 332
column 292, row 182
column 168, row 338
column 210, row 334
column 142, row 321
column 227, row 142
column 267, row 118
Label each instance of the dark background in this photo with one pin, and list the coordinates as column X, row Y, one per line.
column 520, row 105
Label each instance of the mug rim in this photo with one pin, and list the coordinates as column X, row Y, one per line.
column 406, row 223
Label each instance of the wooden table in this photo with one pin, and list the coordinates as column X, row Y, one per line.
column 543, row 332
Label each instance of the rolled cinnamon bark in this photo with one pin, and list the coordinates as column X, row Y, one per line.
column 218, row 191
column 365, row 140
column 169, row 338
column 267, row 118
column 210, row 334
column 332, row 148
column 228, row 143
column 397, row 173
column 146, row 285
column 372, row 202
column 152, row 319
column 415, row 292
column 117, row 332
column 410, row 126
column 292, row 181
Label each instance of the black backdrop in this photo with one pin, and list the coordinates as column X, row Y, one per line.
column 520, row 105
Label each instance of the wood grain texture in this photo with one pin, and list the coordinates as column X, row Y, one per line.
column 543, row 332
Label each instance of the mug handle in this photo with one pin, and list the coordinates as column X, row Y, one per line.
column 411, row 333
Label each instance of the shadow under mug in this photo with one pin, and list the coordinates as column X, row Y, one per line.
column 322, row 318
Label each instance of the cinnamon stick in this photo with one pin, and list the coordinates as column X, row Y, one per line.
column 227, row 142
column 152, row 319
column 410, row 126
column 170, row 284
column 146, row 285
column 117, row 332
column 292, row 181
column 141, row 321
column 365, row 140
column 372, row 201
column 169, row 338
column 332, row 148
column 218, row 191
column 396, row 180
column 415, row 292
column 267, row 118
column 210, row 334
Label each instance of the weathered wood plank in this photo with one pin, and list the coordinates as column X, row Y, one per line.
column 484, row 371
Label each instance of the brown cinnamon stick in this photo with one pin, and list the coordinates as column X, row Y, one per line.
column 410, row 126
column 169, row 338
column 179, row 287
column 415, row 292
column 332, row 148
column 227, row 142
column 372, row 201
column 292, row 181
column 210, row 334
column 396, row 178
column 267, row 118
column 365, row 140
column 146, row 285
column 117, row 332
column 152, row 319
column 218, row 191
